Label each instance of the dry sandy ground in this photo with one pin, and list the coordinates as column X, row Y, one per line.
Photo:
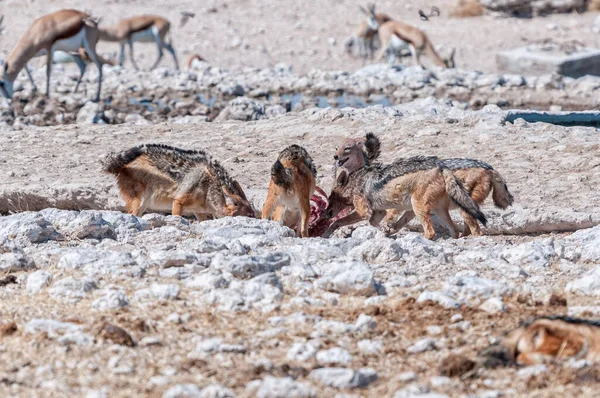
column 261, row 33
column 551, row 170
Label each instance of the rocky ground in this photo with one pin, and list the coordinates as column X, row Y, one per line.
column 206, row 93
column 98, row 303
column 101, row 303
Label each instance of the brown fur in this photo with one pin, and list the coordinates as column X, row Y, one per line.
column 367, row 35
column 419, row 184
column 42, row 36
column 164, row 178
column 466, row 9
column 415, row 37
column 124, row 30
column 549, row 339
column 290, row 189
column 478, row 181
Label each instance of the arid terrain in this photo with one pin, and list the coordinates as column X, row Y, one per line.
column 98, row 303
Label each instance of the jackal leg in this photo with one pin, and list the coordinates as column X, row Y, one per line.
column 423, row 213
column 177, row 208
column 376, row 217
column 395, row 226
column 270, row 204
column 471, row 225
column 445, row 218
column 134, row 206
column 305, row 215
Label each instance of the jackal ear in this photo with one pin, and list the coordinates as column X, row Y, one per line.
column 238, row 188
column 342, row 178
column 231, row 198
column 372, row 146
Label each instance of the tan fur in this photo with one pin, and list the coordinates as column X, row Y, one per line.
column 413, row 36
column 476, row 181
column 290, row 206
column 124, row 30
column 43, row 37
column 546, row 340
column 423, row 192
column 143, row 186
column 366, row 35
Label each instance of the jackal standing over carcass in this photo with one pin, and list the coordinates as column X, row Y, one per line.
column 290, row 189
column 477, row 177
column 164, row 178
column 419, row 183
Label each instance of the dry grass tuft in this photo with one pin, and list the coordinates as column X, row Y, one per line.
column 466, row 9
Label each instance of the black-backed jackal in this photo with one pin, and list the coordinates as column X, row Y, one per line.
column 478, row 178
column 547, row 339
column 420, row 184
column 164, row 178
column 290, row 189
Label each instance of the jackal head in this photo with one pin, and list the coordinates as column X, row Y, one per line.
column 236, row 202
column 355, row 153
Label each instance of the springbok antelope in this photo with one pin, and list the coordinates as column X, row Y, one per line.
column 396, row 36
column 367, row 32
column 64, row 30
column 142, row 28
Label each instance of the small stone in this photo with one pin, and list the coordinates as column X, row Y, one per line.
column 493, row 305
column 117, row 335
column 37, row 281
column 302, row 351
column 422, row 345
column 112, row 299
column 343, row 377
column 370, row 347
column 405, row 377
column 334, row 356
column 279, row 387
column 438, row 297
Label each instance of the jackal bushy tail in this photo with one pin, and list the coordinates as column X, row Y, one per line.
column 115, row 161
column 372, row 147
column 502, row 197
column 282, row 175
column 459, row 195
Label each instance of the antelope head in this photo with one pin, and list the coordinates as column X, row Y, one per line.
column 6, row 85
column 372, row 21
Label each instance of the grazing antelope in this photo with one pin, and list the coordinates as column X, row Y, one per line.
column 142, row 28
column 164, row 178
column 65, row 30
column 396, row 36
column 477, row 177
column 547, row 339
column 290, row 190
column 419, row 183
column 367, row 31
